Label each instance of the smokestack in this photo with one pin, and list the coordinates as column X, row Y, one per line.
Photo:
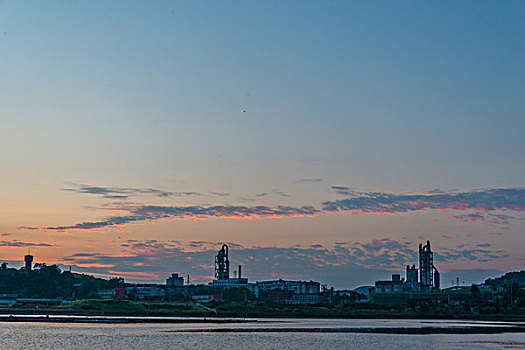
column 240, row 271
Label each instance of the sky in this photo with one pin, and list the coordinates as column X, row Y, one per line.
column 321, row 140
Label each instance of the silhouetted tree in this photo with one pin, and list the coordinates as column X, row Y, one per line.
column 50, row 282
column 474, row 290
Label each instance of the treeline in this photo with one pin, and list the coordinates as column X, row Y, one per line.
column 48, row 281
column 507, row 279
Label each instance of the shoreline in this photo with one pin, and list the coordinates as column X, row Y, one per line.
column 506, row 327
column 121, row 319
column 101, row 314
column 366, row 330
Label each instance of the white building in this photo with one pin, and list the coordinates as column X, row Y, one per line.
column 146, row 291
column 230, row 282
column 303, row 299
column 297, row 287
column 106, row 293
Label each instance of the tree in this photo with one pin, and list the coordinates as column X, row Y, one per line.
column 474, row 290
column 237, row 294
column 48, row 281
column 116, row 282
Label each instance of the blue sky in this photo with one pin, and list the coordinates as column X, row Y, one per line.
column 246, row 98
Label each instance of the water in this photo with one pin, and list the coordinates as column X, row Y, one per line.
column 157, row 336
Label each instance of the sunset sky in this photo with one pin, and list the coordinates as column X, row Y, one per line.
column 321, row 140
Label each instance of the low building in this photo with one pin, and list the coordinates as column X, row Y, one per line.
column 344, row 296
column 206, row 298
column 395, row 285
column 230, row 282
column 303, row 299
column 297, row 287
column 279, row 296
column 108, row 293
column 112, row 293
column 411, row 282
column 120, row 292
column 146, row 291
column 236, row 283
column 175, row 280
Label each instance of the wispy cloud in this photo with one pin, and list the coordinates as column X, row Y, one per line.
column 476, row 252
column 274, row 192
column 152, row 213
column 344, row 190
column 125, row 192
column 383, row 253
column 247, row 199
column 220, row 194
column 302, row 181
column 501, row 221
column 282, row 194
column 483, row 202
column 16, row 243
column 388, row 203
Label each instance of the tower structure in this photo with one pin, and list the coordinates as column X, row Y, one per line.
column 29, row 262
column 428, row 273
column 222, row 264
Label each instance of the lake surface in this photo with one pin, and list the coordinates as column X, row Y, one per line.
column 39, row 335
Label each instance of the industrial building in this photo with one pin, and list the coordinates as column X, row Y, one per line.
column 428, row 273
column 412, row 278
column 222, row 272
column 222, row 264
column 283, row 291
column 145, row 291
column 175, row 280
column 297, row 287
column 112, row 293
column 429, row 278
column 395, row 285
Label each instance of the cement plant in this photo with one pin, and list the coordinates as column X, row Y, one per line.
column 40, row 287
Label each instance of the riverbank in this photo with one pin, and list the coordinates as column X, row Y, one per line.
column 42, row 313
column 234, row 325
column 123, row 308
column 365, row 330
column 119, row 319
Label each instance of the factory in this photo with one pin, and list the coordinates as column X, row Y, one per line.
column 222, row 272
column 281, row 290
column 427, row 280
column 428, row 273
column 424, row 278
column 292, row 291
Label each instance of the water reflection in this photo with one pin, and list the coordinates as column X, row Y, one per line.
column 147, row 336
